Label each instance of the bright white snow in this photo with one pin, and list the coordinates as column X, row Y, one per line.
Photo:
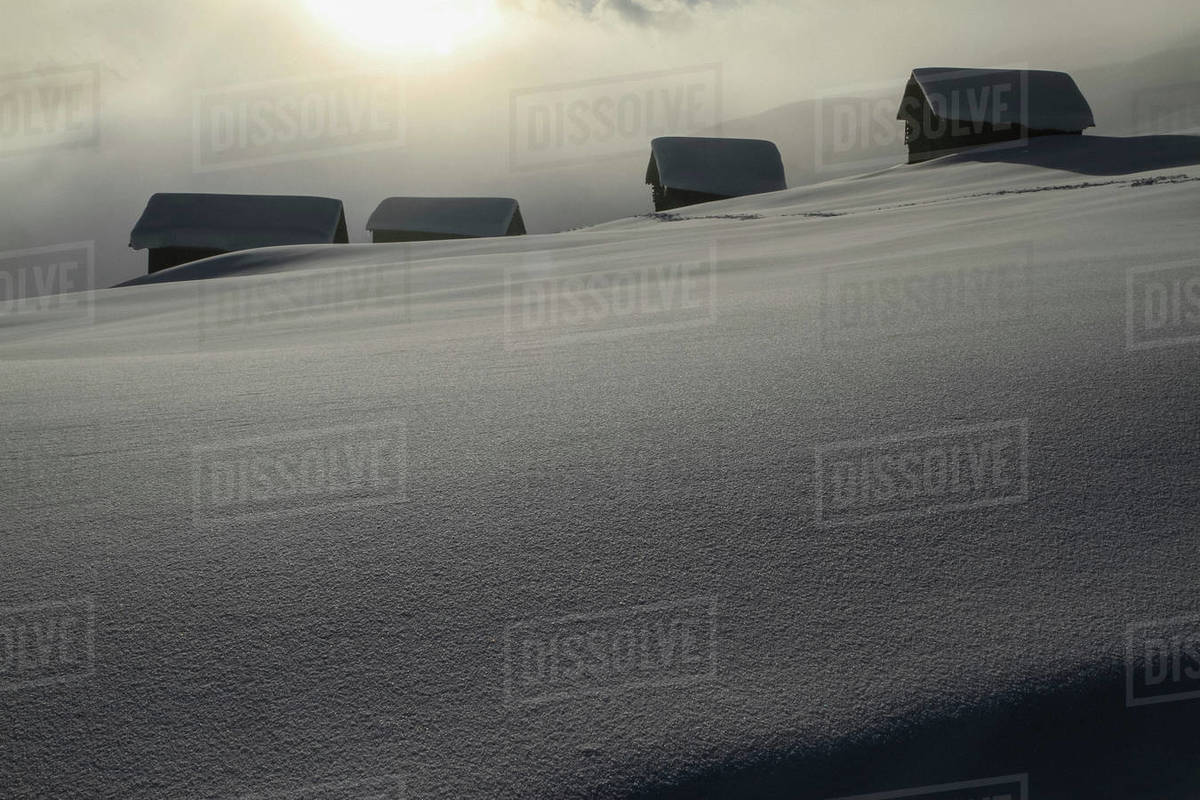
column 622, row 417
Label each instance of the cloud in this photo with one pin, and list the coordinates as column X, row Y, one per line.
column 637, row 12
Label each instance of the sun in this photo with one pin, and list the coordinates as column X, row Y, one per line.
column 412, row 26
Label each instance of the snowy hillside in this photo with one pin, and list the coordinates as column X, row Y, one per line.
column 844, row 489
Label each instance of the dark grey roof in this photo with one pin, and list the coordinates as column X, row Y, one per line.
column 1037, row 99
column 237, row 221
column 725, row 167
column 458, row 216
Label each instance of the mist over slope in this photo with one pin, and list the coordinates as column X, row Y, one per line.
column 851, row 128
column 609, row 540
column 765, row 80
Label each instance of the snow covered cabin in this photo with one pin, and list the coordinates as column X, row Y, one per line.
column 947, row 109
column 685, row 170
column 419, row 219
column 178, row 228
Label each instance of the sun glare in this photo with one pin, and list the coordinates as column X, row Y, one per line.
column 415, row 26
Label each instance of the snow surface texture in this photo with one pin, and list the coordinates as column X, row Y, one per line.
column 577, row 479
column 1037, row 99
column 724, row 167
column 235, row 221
column 460, row 216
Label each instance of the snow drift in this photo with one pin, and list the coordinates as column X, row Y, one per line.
column 608, row 513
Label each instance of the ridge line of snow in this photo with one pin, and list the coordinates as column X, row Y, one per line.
column 1133, row 183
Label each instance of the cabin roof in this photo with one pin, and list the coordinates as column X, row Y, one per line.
column 1036, row 99
column 458, row 216
column 237, row 221
column 725, row 167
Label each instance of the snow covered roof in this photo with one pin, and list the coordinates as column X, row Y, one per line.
column 457, row 216
column 1037, row 99
column 725, row 167
column 237, row 221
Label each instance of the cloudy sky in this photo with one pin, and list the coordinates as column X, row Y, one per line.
column 457, row 96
